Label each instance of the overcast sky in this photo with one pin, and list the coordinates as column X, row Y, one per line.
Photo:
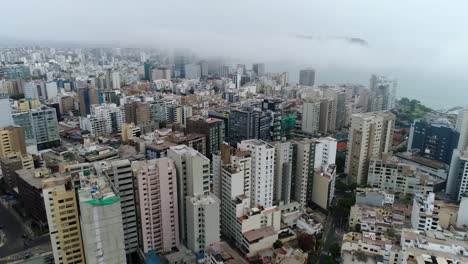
column 420, row 36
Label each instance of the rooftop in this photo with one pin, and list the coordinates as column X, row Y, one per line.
column 254, row 235
column 222, row 252
column 185, row 150
column 34, row 177
column 97, row 190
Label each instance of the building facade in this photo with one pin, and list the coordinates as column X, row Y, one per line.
column 158, row 207
column 370, row 135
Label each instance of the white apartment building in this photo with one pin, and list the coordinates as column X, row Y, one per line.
column 325, row 152
column 263, row 163
column 370, row 135
column 104, row 120
column 193, row 179
column 310, row 117
column 457, row 181
column 358, row 248
column 251, row 229
column 389, row 174
column 425, row 214
column 203, row 223
column 116, row 80
column 432, row 247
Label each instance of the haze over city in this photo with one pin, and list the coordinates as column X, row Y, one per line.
column 233, row 132
column 422, row 43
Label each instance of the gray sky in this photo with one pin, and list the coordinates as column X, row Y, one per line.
column 423, row 37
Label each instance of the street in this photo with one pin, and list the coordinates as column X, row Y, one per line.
column 14, row 231
column 332, row 234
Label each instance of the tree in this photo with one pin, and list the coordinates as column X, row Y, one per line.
column 306, row 242
column 329, row 260
column 390, row 232
column 17, row 96
column 278, row 244
column 335, row 250
column 340, row 163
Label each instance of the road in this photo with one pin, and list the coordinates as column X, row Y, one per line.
column 14, row 231
column 332, row 233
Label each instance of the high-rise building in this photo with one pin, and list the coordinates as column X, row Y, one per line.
column 193, row 179
column 212, row 128
column 327, row 121
column 159, row 111
column 130, row 131
column 222, row 114
column 192, row 71
column 303, row 170
column 263, row 164
column 383, row 93
column 161, row 74
column 259, row 69
column 283, row 171
column 29, row 183
column 101, row 220
column 116, row 80
column 120, row 175
column 5, row 109
column 137, row 112
column 340, row 110
column 310, row 117
column 67, row 104
column 204, row 68
column 181, row 58
column 307, row 77
column 13, row 163
column 12, row 141
column 156, row 181
column 323, row 189
column 248, row 123
column 104, row 120
column 63, row 220
column 236, row 157
column 40, row 127
column 272, row 107
column 32, row 90
column 203, row 222
column 425, row 213
column 434, row 141
column 325, row 152
column 51, row 89
column 147, row 71
column 87, row 97
column 177, row 113
column 457, row 181
column 370, row 135
column 240, row 222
